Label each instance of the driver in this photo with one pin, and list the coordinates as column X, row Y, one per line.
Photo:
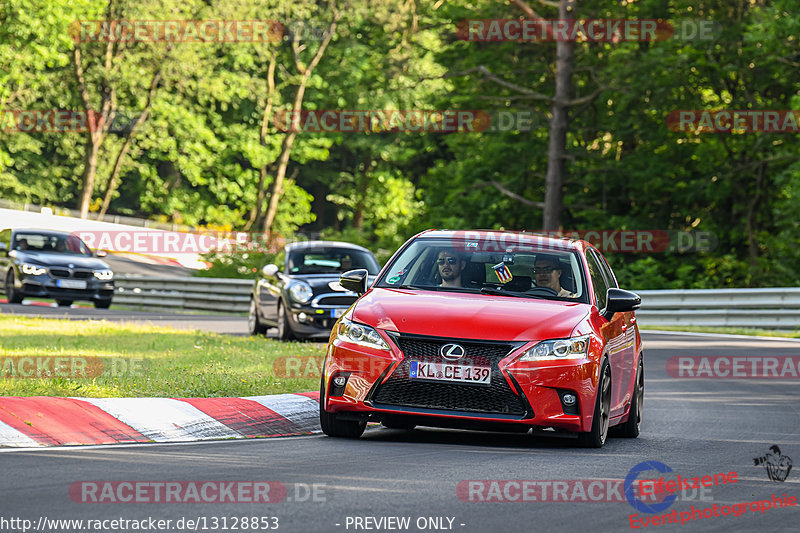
column 547, row 273
column 450, row 265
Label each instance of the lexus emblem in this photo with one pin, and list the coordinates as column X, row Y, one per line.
column 452, row 351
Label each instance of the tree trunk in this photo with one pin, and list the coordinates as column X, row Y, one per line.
column 288, row 141
column 554, row 180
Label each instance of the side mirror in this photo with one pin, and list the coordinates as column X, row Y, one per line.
column 269, row 270
column 100, row 253
column 621, row 301
column 355, row 280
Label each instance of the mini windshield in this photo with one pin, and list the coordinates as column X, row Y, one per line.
column 329, row 260
column 528, row 271
column 53, row 243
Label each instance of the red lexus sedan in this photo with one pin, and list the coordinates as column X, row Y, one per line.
column 487, row 330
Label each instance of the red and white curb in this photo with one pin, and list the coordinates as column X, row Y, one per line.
column 48, row 421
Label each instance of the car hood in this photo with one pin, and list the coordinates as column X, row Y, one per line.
column 468, row 316
column 61, row 260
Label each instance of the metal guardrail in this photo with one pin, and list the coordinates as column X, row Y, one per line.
column 774, row 308
column 192, row 294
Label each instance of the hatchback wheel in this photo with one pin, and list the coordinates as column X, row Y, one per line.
column 12, row 294
column 285, row 332
column 630, row 429
column 333, row 426
column 254, row 326
column 596, row 438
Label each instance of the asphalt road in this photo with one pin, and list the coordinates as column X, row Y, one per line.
column 217, row 323
column 696, row 427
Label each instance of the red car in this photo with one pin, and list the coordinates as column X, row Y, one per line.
column 487, row 330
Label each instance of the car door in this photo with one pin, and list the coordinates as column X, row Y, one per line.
column 629, row 361
column 614, row 332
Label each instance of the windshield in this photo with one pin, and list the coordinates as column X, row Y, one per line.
column 330, row 260
column 50, row 243
column 529, row 271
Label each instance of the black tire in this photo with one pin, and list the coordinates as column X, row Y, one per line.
column 630, row 429
column 254, row 326
column 64, row 303
column 333, row 427
column 102, row 304
column 285, row 332
column 596, row 438
column 12, row 294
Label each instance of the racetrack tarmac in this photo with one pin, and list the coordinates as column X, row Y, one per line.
column 696, row 427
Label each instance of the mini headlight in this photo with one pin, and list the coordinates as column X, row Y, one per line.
column 104, row 275
column 572, row 348
column 360, row 334
column 33, row 270
column 301, row 292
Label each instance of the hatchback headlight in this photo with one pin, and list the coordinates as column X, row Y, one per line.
column 301, row 292
column 104, row 275
column 350, row 331
column 33, row 270
column 572, row 348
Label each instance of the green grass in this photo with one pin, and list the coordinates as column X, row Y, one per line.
column 729, row 331
column 172, row 362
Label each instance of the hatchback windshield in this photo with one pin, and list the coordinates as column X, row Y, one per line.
column 330, row 260
column 530, row 271
column 54, row 243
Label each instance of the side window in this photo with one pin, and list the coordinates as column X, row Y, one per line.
column 598, row 281
column 612, row 280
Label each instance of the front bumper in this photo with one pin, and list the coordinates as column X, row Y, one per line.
column 44, row 286
column 522, row 395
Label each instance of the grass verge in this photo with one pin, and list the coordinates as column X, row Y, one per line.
column 728, row 331
column 142, row 361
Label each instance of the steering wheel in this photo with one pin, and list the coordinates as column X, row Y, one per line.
column 547, row 290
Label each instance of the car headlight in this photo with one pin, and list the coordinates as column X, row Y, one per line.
column 104, row 275
column 572, row 348
column 301, row 292
column 350, row 331
column 33, row 270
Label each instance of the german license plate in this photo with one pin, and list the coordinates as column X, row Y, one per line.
column 450, row 372
column 336, row 313
column 71, row 283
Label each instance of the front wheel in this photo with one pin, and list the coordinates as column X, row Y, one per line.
column 596, row 438
column 332, row 426
column 102, row 304
column 285, row 332
column 630, row 429
column 64, row 303
column 12, row 294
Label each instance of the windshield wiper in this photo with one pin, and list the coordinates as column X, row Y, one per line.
column 498, row 291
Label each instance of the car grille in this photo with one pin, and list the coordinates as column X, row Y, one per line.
column 337, row 300
column 497, row 398
column 65, row 273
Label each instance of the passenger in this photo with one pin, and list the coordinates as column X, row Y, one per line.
column 547, row 273
column 61, row 246
column 450, row 265
column 22, row 244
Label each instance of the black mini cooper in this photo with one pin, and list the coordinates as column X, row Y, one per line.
column 51, row 264
column 302, row 298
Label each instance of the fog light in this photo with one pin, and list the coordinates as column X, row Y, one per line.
column 339, row 381
column 302, row 317
column 338, row 384
column 569, row 399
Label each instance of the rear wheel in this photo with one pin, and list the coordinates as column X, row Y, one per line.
column 630, row 429
column 12, row 294
column 64, row 303
column 332, row 426
column 285, row 332
column 596, row 438
column 253, row 325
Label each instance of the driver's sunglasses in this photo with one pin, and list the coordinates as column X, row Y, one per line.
column 543, row 270
column 450, row 261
